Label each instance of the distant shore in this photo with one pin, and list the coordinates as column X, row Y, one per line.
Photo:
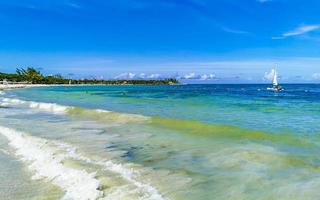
column 17, row 85
column 24, row 77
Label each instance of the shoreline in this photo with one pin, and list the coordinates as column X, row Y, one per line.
column 17, row 86
column 12, row 86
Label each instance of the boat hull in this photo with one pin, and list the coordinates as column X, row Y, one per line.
column 276, row 89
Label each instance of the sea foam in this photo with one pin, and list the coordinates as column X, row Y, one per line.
column 45, row 160
column 54, row 108
column 47, row 107
column 13, row 101
column 130, row 175
column 127, row 173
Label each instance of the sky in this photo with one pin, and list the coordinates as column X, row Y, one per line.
column 213, row 41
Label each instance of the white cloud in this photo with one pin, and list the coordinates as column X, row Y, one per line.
column 194, row 76
column 303, row 29
column 235, row 31
column 316, row 76
column 142, row 75
column 126, row 76
column 130, row 76
column 269, row 75
column 205, row 77
column 154, row 76
column 190, row 76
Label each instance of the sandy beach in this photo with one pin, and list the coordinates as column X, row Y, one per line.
column 16, row 86
column 12, row 86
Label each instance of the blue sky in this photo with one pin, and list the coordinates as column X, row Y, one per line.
column 198, row 40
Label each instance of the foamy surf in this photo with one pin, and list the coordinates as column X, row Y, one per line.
column 45, row 159
column 147, row 191
column 49, row 107
column 46, row 107
column 129, row 174
column 13, row 101
column 5, row 152
column 54, row 108
column 46, row 162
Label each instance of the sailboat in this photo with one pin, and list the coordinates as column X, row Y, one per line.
column 275, row 85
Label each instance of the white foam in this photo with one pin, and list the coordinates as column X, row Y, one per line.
column 129, row 174
column 13, row 101
column 5, row 151
column 7, row 102
column 47, row 107
column 4, row 104
column 102, row 111
column 45, row 160
column 2, row 93
column 61, row 110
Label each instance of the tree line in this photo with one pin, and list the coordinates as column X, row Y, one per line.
column 33, row 76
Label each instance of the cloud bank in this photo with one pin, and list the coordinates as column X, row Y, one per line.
column 131, row 76
column 188, row 76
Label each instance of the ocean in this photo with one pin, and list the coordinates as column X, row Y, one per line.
column 168, row 142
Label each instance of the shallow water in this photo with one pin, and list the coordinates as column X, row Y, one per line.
column 160, row 142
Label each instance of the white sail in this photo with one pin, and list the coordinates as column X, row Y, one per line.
column 275, row 78
column 276, row 87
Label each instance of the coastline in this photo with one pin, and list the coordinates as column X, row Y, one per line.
column 17, row 86
column 13, row 86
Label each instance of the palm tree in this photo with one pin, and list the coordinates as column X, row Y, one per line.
column 30, row 74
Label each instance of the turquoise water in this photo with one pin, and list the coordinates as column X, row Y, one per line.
column 160, row 142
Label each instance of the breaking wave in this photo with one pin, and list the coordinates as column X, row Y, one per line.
column 47, row 107
column 45, row 158
column 46, row 163
column 97, row 114
column 130, row 175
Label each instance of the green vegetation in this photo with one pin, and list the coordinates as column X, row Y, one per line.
column 33, row 76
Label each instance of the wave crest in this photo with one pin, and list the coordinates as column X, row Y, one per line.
column 46, row 162
column 97, row 114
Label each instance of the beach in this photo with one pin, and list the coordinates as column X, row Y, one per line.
column 13, row 86
column 181, row 142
